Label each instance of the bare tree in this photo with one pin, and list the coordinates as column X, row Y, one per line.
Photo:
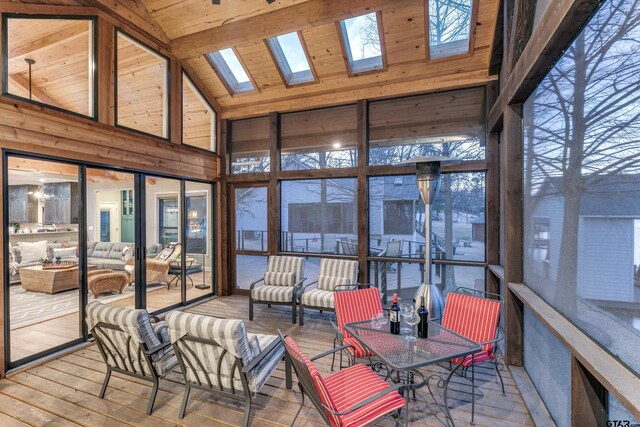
column 583, row 127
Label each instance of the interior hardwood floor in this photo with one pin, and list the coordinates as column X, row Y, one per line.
column 32, row 339
column 64, row 391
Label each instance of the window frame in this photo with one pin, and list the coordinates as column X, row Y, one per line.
column 345, row 46
column 472, row 34
column 223, row 74
column 198, row 92
column 93, row 80
column 280, row 60
column 167, row 132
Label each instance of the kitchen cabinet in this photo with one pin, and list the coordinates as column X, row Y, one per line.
column 23, row 207
column 61, row 206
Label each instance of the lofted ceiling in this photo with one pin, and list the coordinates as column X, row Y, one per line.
column 193, row 28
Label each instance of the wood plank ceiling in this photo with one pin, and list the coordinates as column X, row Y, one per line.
column 196, row 27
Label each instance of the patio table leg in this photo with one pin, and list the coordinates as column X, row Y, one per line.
column 444, row 385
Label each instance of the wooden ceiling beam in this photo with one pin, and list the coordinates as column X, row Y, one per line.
column 284, row 20
column 36, row 92
column 73, row 31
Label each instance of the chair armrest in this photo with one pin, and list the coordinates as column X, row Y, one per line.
column 157, row 348
column 328, row 352
column 371, row 399
column 264, row 353
column 255, row 283
column 312, row 283
column 500, row 337
column 298, row 285
column 347, row 287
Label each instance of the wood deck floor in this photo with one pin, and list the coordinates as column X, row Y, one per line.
column 64, row 391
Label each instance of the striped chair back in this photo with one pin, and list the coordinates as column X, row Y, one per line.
column 122, row 335
column 283, row 266
column 473, row 317
column 310, row 381
column 335, row 272
column 356, row 306
column 211, row 351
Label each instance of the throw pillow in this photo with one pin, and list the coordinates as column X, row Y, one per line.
column 33, row 251
column 279, row 279
column 164, row 254
column 64, row 252
column 125, row 251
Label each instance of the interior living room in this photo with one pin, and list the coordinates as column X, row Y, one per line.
column 318, row 212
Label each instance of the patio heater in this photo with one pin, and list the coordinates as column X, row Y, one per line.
column 428, row 180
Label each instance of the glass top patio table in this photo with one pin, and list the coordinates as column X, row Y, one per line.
column 397, row 353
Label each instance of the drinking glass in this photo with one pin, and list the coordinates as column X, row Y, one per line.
column 412, row 319
column 405, row 309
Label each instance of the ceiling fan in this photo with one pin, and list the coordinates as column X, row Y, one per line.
column 218, row 1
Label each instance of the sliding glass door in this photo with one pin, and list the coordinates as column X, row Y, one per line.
column 42, row 277
column 77, row 233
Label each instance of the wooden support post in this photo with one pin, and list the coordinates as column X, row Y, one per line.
column 175, row 101
column 273, row 205
column 225, row 282
column 493, row 199
column 363, row 186
column 2, row 271
column 512, row 244
column 588, row 398
column 105, row 67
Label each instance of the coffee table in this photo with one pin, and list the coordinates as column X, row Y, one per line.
column 404, row 357
column 35, row 279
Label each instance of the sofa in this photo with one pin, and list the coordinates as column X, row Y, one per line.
column 104, row 255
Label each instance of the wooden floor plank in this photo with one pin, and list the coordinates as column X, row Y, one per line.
column 65, row 389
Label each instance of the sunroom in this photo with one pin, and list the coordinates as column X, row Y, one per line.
column 317, row 212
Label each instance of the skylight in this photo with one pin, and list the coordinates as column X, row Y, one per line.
column 449, row 27
column 361, row 38
column 292, row 59
column 231, row 71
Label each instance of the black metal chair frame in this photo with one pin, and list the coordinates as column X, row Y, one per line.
column 237, row 369
column 143, row 353
column 337, row 288
column 293, row 302
column 464, row 371
column 307, row 387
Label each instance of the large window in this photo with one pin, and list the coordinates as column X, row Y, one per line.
column 581, row 182
column 51, row 61
column 142, row 87
column 319, row 216
column 250, row 145
column 397, row 215
column 319, row 139
column 447, row 123
column 198, row 118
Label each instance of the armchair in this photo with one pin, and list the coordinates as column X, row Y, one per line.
column 355, row 396
column 280, row 284
column 219, row 356
column 334, row 273
column 131, row 345
column 158, row 267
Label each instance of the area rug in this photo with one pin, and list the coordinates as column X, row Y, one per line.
column 28, row 308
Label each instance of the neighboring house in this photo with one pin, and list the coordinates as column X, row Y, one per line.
column 606, row 246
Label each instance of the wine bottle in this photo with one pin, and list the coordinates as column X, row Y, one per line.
column 394, row 316
column 423, row 326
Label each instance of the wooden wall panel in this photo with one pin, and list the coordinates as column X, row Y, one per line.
column 26, row 128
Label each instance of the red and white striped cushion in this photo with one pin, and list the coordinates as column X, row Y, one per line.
column 356, row 306
column 357, row 350
column 355, row 384
column 475, row 318
column 344, row 389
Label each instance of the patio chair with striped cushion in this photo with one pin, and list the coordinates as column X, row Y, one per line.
column 219, row 356
column 354, row 306
column 334, row 274
column 130, row 344
column 477, row 318
column 355, row 396
column 281, row 284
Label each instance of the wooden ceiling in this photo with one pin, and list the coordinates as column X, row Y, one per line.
column 245, row 24
column 192, row 28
